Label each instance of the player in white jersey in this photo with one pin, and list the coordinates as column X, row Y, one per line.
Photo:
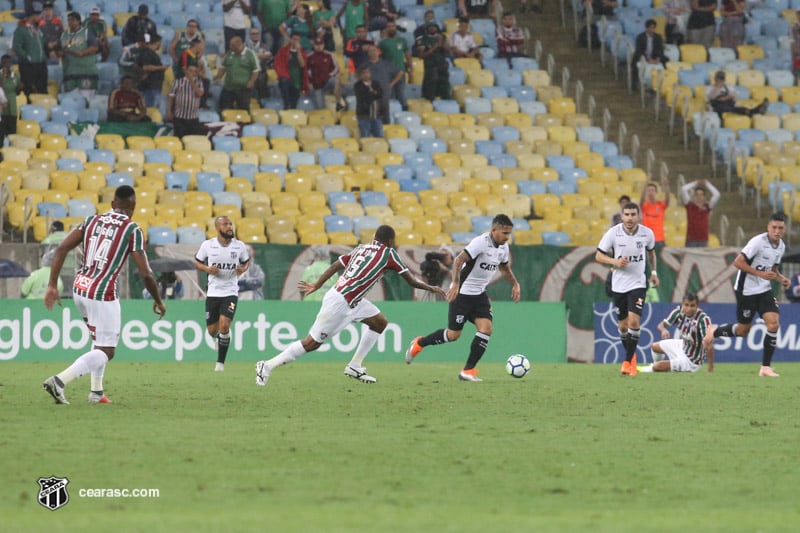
column 629, row 247
column 684, row 353
column 224, row 259
column 107, row 240
column 344, row 303
column 474, row 268
column 758, row 267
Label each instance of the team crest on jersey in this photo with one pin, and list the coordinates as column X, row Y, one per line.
column 233, row 255
column 231, row 306
column 746, row 313
column 459, row 319
column 53, row 492
column 639, row 245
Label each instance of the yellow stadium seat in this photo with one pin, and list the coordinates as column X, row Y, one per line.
column 461, row 120
column 545, row 94
column 435, row 118
column 562, row 134
column 480, row 78
column 476, row 133
column 693, row 53
column 254, row 144
column 64, row 180
column 28, row 128
column 749, row 52
column 490, row 120
column 573, row 148
column 561, row 106
column 735, row 121
column 293, row 117
column 109, row 141
column 241, row 116
column 544, row 201
column 463, row 91
column 505, row 106
column 345, row 144
column 168, row 142
column 759, row 93
column 536, row 78
column 548, row 119
column 543, row 174
column 273, row 157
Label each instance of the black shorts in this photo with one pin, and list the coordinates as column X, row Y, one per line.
column 629, row 302
column 468, row 307
column 220, row 305
column 748, row 306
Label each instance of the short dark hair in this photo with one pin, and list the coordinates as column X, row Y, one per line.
column 502, row 220
column 650, row 23
column 691, row 296
column 780, row 216
column 124, row 192
column 74, row 15
column 384, row 234
column 624, row 197
column 361, row 26
column 463, row 20
column 631, row 205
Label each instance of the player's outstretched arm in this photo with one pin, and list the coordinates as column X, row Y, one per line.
column 708, row 344
column 307, row 288
column 149, row 282
column 419, row 284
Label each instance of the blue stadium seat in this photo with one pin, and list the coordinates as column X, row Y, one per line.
column 531, row 187
column 482, row 223
column 590, row 134
column 398, row 172
column 604, row 148
column 413, row 185
column 503, row 160
column 331, row 156
column 373, row 198
column 210, row 182
column 365, row 222
column 493, row 91
column 101, row 156
column 446, row 106
column 489, row 148
column 524, row 63
column 571, row 175
column 457, row 76
column 522, row 93
column 427, row 172
column 335, row 132
column 338, row 223
column 33, row 112
column 89, row 115
column 419, row 132
column 555, row 238
column 190, row 235
column 561, row 187
column 254, row 130
column 619, row 162
column 281, row 131
column 477, row 105
column 244, row 170
column 160, row 235
column 300, row 158
column 158, row 155
column 504, row 134
column 63, row 114
column 407, row 118
column 463, row 237
column 337, row 197
column 80, row 207
column 226, row 143
column 558, row 162
column 57, row 128
column 431, row 146
column 80, row 142
column 508, row 78
column 73, row 165
column 51, row 209
column 177, row 180
column 115, row 179
column 402, row 146
column 227, row 198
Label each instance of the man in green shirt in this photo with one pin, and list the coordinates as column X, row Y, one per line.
column 35, row 285
column 240, row 69
column 322, row 260
column 9, row 82
column 272, row 13
column 395, row 50
column 78, row 50
column 100, row 30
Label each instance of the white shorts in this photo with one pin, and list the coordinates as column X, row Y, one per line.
column 104, row 320
column 678, row 360
column 335, row 314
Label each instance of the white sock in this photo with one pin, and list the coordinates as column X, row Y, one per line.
column 292, row 352
column 366, row 343
column 84, row 364
column 97, row 378
column 646, row 369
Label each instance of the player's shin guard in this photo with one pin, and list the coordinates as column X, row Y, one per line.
column 725, row 330
column 223, row 341
column 632, row 343
column 366, row 343
column 437, row 337
column 770, row 340
column 479, row 343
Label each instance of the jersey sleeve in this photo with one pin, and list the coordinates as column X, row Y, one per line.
column 395, row 263
column 703, row 324
column 245, row 257
column 672, row 318
column 137, row 238
column 606, row 244
column 751, row 248
column 475, row 246
column 345, row 259
column 651, row 240
column 202, row 254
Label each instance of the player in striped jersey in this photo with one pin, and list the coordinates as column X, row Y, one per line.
column 687, row 352
column 107, row 240
column 477, row 265
column 344, row 303
column 758, row 267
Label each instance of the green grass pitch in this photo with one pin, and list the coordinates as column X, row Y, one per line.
column 568, row 448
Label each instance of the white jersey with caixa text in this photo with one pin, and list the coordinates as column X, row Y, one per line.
column 619, row 243
column 485, row 257
column 226, row 259
column 762, row 255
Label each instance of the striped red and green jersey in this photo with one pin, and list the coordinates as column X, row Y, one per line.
column 692, row 330
column 108, row 239
column 364, row 266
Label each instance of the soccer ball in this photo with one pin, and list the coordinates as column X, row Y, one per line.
column 518, row 366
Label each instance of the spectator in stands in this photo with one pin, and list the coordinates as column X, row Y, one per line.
column 137, row 25
column 152, row 70
column 722, row 98
column 698, row 210
column 51, row 27
column 235, row 16
column 428, row 18
column 510, row 38
column 183, row 103
column 3, row 106
column 323, row 75
column 300, row 23
column 321, row 262
column 677, row 12
column 355, row 49
column 324, row 22
column 794, row 38
column 11, row 86
column 731, row 29
column 462, row 42
column 240, row 69
column 251, row 283
column 264, row 56
column 78, row 52
column 35, row 285
column 126, row 104
column 395, row 50
column 701, row 27
column 386, row 75
column 379, row 12
column 291, row 68
column 369, row 99
column 793, row 292
column 271, row 14
column 182, row 41
column 432, row 48
column 30, row 49
column 100, row 29
column 649, row 50
column 616, row 218
column 355, row 15
column 477, row 9
column 654, row 210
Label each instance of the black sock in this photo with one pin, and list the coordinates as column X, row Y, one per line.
column 223, row 341
column 437, row 337
column 476, row 350
column 770, row 340
column 633, row 342
column 725, row 330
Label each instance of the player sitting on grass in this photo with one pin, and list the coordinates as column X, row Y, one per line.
column 344, row 303
column 684, row 354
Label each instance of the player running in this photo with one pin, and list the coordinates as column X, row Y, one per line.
column 108, row 239
column 476, row 266
column 344, row 303
column 224, row 258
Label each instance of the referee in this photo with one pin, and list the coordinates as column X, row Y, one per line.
column 183, row 104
